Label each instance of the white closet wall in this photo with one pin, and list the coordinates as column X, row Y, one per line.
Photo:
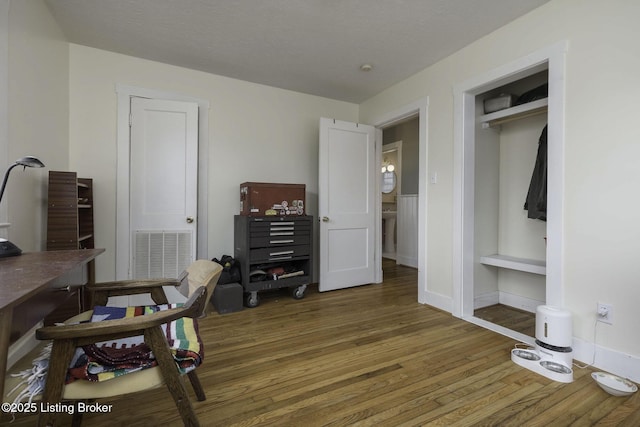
column 518, row 235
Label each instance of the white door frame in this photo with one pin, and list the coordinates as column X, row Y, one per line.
column 124, row 94
column 421, row 108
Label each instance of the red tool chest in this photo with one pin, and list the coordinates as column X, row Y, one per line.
column 269, row 199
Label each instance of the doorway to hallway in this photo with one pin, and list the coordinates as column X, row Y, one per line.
column 400, row 153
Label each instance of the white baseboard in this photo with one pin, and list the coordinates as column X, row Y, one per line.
column 512, row 300
column 408, row 261
column 389, row 255
column 517, row 301
column 438, row 301
column 486, row 300
column 606, row 359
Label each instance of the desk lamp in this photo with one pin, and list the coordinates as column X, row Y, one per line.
column 6, row 247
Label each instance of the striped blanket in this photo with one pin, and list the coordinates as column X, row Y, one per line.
column 105, row 360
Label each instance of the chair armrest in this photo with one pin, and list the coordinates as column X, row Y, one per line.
column 87, row 333
column 131, row 284
column 100, row 292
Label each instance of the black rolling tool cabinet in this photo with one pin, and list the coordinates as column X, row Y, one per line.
column 274, row 252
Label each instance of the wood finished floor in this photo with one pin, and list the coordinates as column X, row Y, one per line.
column 509, row 317
column 367, row 356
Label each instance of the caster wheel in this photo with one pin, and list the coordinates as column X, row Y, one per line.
column 251, row 300
column 298, row 293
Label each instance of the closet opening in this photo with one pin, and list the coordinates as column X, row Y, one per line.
column 510, row 277
column 509, row 146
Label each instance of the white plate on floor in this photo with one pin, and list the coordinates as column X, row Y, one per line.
column 613, row 384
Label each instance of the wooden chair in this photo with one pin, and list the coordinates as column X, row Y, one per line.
column 202, row 278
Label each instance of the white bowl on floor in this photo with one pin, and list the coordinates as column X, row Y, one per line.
column 614, row 384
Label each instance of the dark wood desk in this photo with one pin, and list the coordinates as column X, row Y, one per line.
column 26, row 275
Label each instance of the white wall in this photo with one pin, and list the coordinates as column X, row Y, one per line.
column 4, row 102
column 37, row 104
column 256, row 133
column 602, row 150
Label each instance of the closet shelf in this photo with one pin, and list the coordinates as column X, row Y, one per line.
column 514, row 113
column 521, row 264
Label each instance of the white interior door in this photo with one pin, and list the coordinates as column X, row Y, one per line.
column 347, row 204
column 163, row 186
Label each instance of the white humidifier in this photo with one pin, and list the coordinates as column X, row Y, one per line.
column 552, row 355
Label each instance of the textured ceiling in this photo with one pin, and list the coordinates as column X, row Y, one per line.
column 309, row 46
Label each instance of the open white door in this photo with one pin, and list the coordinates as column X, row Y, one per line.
column 347, row 204
column 163, row 186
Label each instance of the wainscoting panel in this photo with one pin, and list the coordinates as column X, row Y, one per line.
column 407, row 230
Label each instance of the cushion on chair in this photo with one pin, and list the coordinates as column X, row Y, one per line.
column 200, row 273
column 137, row 381
column 107, row 360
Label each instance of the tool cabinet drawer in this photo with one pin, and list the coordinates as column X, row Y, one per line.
column 277, row 241
column 278, row 254
column 280, row 227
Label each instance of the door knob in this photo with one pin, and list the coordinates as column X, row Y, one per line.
column 189, row 219
column 325, row 219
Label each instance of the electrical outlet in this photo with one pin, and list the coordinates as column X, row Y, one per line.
column 604, row 313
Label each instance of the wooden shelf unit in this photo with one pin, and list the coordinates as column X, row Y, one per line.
column 69, row 227
column 70, row 212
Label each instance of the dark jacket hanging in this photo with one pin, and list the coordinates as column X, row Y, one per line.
column 536, row 203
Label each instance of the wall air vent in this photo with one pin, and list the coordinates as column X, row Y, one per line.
column 160, row 254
